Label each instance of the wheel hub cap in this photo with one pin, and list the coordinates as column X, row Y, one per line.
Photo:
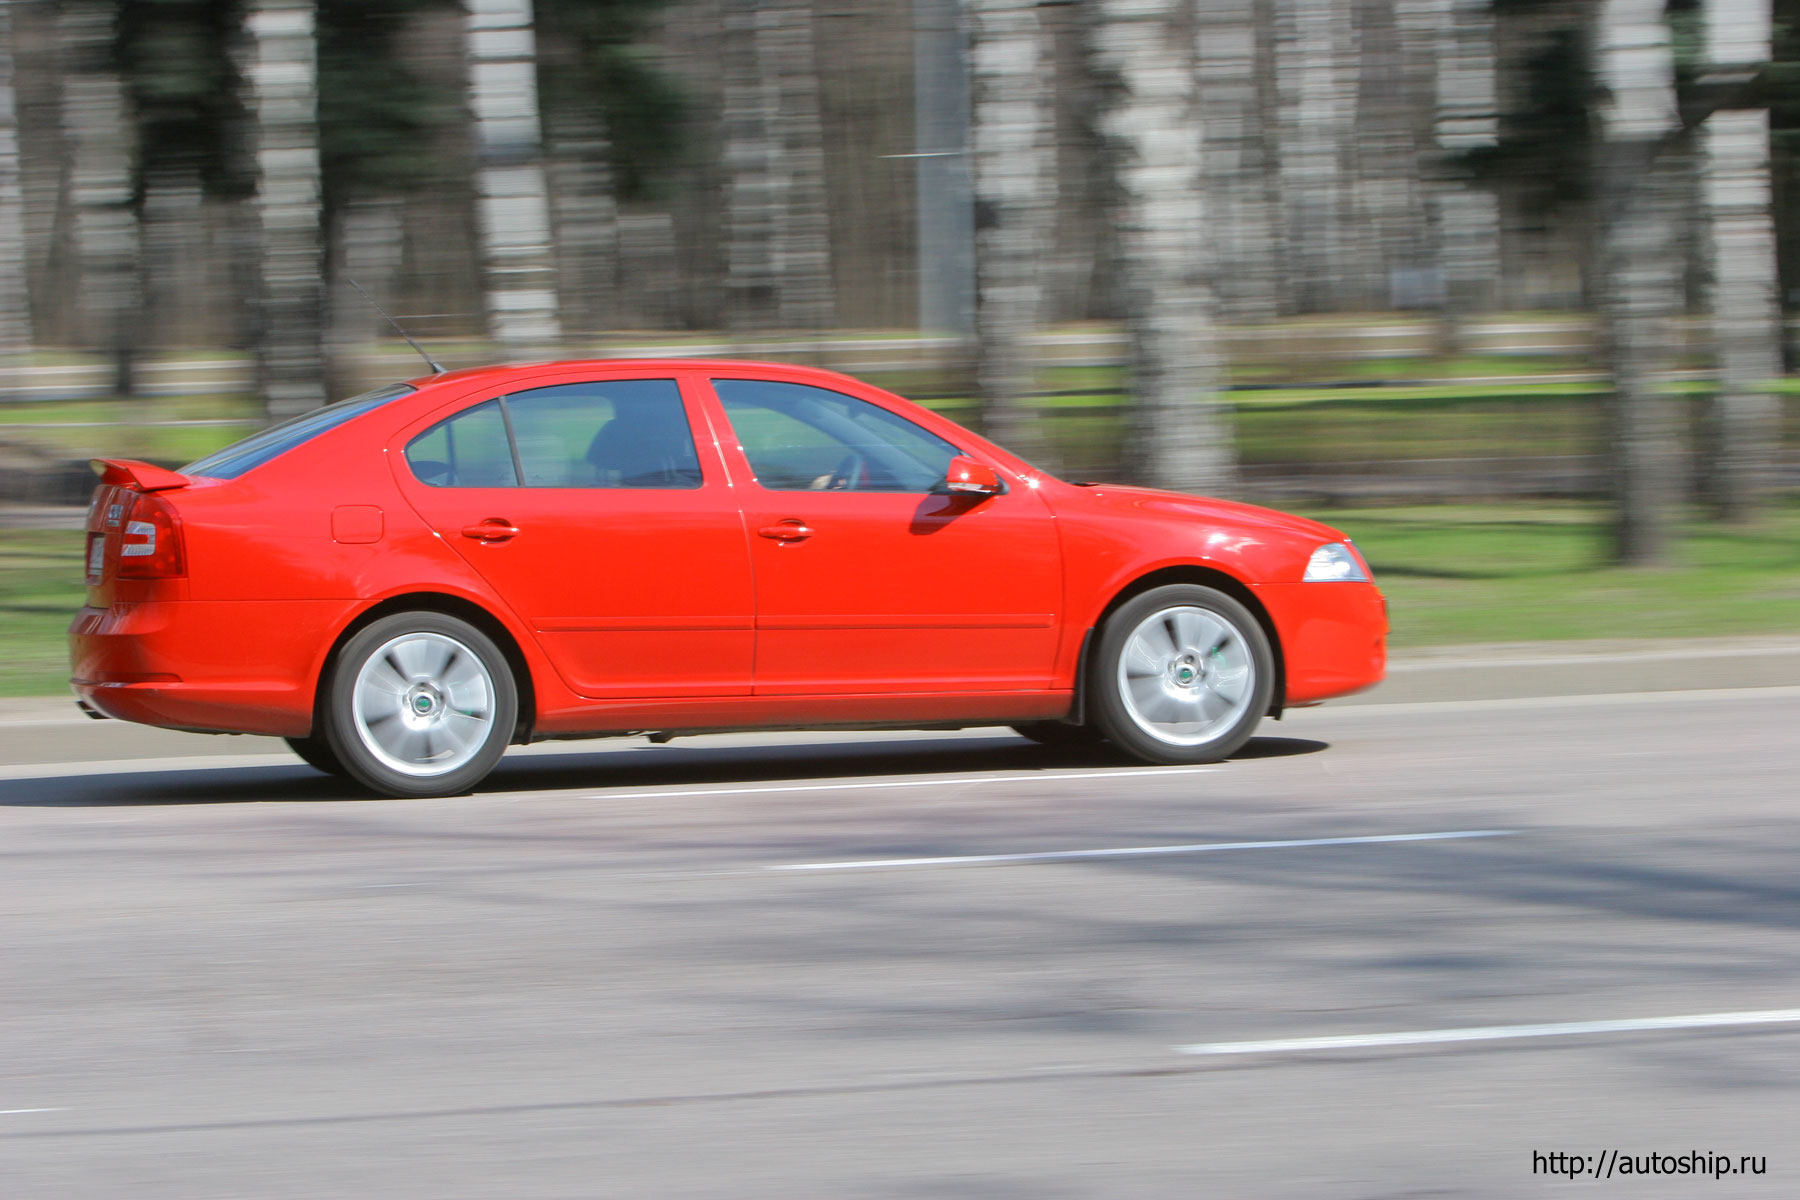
column 424, row 704
column 1186, row 675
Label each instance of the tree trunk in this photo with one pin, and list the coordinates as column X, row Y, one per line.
column 1014, row 184
column 779, row 248
column 1315, row 77
column 752, row 195
column 99, row 135
column 1636, row 273
column 584, row 207
column 586, row 215
column 169, row 249
column 1746, row 309
column 1180, row 435
column 365, row 247
column 1395, row 85
column 943, row 189
column 283, row 74
column 15, row 295
column 1467, row 119
column 514, row 201
column 803, row 244
column 1230, row 58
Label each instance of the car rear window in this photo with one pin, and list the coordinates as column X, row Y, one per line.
column 259, row 448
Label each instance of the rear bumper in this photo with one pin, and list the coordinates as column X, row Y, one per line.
column 215, row 667
column 1333, row 637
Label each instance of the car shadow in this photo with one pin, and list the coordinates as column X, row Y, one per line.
column 614, row 767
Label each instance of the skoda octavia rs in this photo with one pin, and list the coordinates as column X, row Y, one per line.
column 403, row 584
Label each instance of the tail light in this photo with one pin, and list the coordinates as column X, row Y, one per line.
column 150, row 541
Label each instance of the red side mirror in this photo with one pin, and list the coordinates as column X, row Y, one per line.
column 966, row 477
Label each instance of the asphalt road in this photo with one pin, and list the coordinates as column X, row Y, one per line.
column 603, row 975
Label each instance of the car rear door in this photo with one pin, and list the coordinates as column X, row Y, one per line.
column 867, row 579
column 596, row 514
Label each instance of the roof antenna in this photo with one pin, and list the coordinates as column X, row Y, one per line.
column 437, row 368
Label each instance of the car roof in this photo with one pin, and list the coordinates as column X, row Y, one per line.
column 477, row 374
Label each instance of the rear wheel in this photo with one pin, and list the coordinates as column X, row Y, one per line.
column 316, row 752
column 420, row 704
column 1183, row 674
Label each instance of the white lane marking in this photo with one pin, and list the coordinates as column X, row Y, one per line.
column 1489, row 1033
column 956, row 781
column 1376, row 708
column 13, row 1112
column 1137, row 851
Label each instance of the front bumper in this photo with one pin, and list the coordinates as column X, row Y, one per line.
column 1333, row 637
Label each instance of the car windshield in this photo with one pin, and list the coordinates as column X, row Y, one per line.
column 259, row 448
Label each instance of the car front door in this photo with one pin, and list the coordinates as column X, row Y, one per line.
column 869, row 578
column 588, row 507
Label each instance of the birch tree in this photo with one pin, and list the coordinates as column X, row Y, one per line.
column 584, row 208
column 752, row 192
column 1013, row 176
column 1231, row 57
column 1467, row 119
column 1391, row 242
column 585, row 217
column 779, row 237
column 283, row 75
column 1746, row 313
column 15, row 311
column 1179, row 434
column 1636, row 273
column 1315, row 92
column 513, row 195
column 98, row 133
column 942, row 181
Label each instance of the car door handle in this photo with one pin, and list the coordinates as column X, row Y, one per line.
column 494, row 529
column 787, row 531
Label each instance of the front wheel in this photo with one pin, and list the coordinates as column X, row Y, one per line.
column 1182, row 674
column 420, row 704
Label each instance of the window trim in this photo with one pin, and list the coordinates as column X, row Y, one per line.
column 691, row 413
column 714, row 379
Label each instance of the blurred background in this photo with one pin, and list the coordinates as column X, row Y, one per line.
column 1503, row 287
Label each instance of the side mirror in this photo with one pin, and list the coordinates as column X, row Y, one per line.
column 966, row 477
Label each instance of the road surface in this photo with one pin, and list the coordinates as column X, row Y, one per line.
column 918, row 965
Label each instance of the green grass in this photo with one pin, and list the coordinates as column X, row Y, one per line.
column 1452, row 575
column 40, row 589
column 1536, row 572
column 122, row 429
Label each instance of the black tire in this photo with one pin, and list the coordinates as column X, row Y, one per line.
column 1062, row 736
column 1201, row 675
column 316, row 752
column 452, row 695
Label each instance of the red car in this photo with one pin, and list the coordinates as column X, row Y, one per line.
column 403, row 584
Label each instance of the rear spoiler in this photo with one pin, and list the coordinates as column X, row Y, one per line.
column 141, row 475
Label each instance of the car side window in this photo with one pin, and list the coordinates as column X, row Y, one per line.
column 803, row 438
column 620, row 433
column 468, row 450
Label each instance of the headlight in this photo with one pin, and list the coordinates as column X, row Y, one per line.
column 1333, row 563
